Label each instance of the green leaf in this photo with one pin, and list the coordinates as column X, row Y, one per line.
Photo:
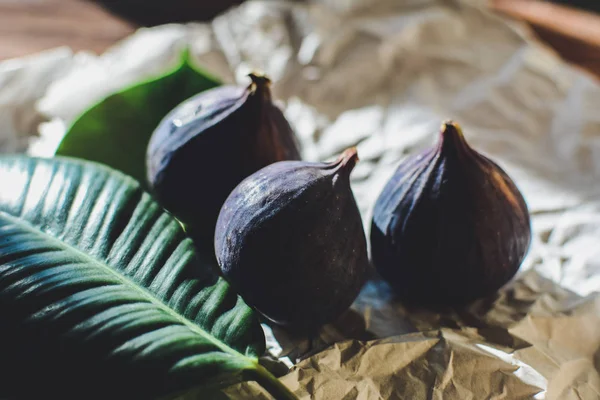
column 103, row 296
column 116, row 130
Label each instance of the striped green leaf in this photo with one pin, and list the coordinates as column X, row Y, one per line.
column 102, row 296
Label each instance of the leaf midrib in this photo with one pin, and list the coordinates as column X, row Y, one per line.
column 132, row 284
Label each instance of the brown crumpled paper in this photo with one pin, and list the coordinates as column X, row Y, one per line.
column 534, row 340
column 381, row 75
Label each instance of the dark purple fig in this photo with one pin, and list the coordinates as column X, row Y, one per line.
column 209, row 143
column 290, row 239
column 450, row 226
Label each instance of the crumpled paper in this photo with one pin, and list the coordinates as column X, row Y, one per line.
column 534, row 340
column 382, row 75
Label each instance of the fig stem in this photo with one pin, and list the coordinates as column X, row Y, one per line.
column 449, row 126
column 452, row 138
column 348, row 158
column 261, row 84
column 272, row 385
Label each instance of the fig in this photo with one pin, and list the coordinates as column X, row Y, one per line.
column 209, row 143
column 290, row 239
column 450, row 226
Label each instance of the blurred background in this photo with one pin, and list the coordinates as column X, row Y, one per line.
column 571, row 27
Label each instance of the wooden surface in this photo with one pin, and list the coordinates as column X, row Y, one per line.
column 29, row 26
column 574, row 34
column 156, row 12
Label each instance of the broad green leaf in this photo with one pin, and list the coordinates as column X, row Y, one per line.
column 103, row 296
column 116, row 130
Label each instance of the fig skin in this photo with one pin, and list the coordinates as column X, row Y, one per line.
column 290, row 239
column 208, row 144
column 450, row 226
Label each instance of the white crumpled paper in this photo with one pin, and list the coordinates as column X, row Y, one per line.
column 382, row 75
